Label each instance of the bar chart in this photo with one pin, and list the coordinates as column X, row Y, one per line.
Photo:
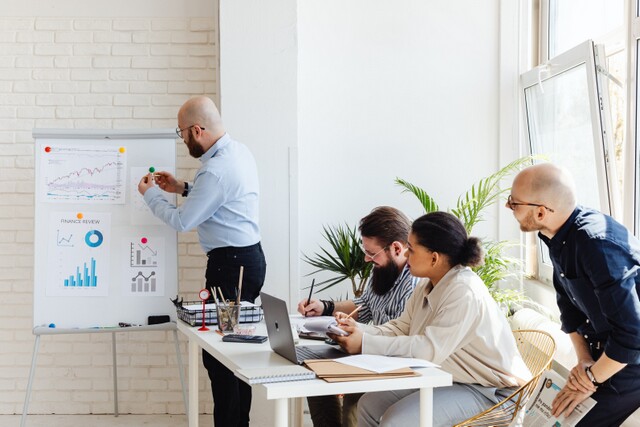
column 144, row 284
column 85, row 277
column 143, row 256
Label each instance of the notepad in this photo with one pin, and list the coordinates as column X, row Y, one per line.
column 276, row 374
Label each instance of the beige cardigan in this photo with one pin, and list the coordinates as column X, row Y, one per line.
column 457, row 325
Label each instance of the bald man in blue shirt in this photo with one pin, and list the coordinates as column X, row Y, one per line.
column 222, row 203
column 596, row 266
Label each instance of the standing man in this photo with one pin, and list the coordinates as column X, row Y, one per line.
column 596, row 266
column 222, row 202
column 384, row 240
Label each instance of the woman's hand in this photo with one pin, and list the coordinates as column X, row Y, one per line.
column 352, row 344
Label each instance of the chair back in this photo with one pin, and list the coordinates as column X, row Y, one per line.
column 537, row 349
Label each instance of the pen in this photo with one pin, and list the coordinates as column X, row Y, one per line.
column 313, row 282
column 218, row 332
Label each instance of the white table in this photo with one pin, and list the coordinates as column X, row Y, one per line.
column 239, row 355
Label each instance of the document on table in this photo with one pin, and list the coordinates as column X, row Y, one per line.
column 324, row 324
column 380, row 364
column 537, row 412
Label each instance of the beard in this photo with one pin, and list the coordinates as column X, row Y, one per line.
column 528, row 223
column 195, row 150
column 384, row 277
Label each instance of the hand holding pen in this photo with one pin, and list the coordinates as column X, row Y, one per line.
column 313, row 283
column 310, row 307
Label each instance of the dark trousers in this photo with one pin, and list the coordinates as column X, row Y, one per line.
column 232, row 397
column 617, row 398
column 334, row 411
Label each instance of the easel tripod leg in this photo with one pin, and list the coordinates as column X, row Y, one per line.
column 36, row 346
column 180, row 370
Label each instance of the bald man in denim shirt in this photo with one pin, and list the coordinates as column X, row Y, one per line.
column 596, row 262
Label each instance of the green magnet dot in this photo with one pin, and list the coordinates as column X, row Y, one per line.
column 152, row 169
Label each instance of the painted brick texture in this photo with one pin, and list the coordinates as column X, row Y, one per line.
column 91, row 73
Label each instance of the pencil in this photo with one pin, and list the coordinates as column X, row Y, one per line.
column 240, row 285
column 354, row 311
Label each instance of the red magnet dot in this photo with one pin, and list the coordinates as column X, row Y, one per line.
column 143, row 240
column 47, row 149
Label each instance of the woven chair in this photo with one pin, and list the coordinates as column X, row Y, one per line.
column 537, row 349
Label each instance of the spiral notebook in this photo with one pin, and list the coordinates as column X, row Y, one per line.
column 276, row 374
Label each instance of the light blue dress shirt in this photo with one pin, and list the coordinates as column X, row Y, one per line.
column 222, row 201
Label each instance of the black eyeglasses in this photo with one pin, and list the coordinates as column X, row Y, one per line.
column 179, row 131
column 512, row 205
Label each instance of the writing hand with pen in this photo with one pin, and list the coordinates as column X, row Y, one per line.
column 311, row 307
column 352, row 343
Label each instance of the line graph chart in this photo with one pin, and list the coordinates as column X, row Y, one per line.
column 64, row 241
column 84, row 174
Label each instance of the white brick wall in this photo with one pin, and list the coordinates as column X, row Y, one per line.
column 91, row 73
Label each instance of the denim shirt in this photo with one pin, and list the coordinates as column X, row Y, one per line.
column 596, row 262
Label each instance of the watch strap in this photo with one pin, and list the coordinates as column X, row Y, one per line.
column 185, row 193
column 592, row 377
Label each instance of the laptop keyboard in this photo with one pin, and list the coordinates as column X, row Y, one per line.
column 305, row 353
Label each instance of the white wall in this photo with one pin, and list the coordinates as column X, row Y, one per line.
column 393, row 89
column 338, row 98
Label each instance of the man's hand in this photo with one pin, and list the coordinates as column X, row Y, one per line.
column 567, row 400
column 145, row 183
column 168, row 182
column 314, row 308
column 352, row 344
column 578, row 379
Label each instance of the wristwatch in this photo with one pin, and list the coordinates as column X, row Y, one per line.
column 592, row 378
column 185, row 193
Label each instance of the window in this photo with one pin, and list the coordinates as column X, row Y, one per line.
column 566, row 121
column 574, row 102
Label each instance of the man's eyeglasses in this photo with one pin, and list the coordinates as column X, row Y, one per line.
column 368, row 254
column 512, row 205
column 179, row 131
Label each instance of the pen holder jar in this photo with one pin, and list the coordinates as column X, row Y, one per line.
column 228, row 316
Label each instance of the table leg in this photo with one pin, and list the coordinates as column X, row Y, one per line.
column 281, row 413
column 193, row 383
column 298, row 412
column 426, row 407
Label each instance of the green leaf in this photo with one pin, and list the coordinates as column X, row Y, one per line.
column 428, row 203
column 343, row 257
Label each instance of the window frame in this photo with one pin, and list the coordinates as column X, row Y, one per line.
column 592, row 57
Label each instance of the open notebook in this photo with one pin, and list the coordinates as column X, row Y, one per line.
column 276, row 374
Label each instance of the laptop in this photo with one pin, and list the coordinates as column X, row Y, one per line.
column 276, row 316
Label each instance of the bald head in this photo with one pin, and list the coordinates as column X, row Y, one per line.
column 201, row 111
column 548, row 185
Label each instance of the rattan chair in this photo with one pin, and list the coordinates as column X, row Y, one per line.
column 537, row 349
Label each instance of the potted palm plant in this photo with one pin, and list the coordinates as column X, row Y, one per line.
column 469, row 209
column 345, row 259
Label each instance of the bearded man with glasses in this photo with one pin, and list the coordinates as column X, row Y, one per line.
column 384, row 240
column 222, row 203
